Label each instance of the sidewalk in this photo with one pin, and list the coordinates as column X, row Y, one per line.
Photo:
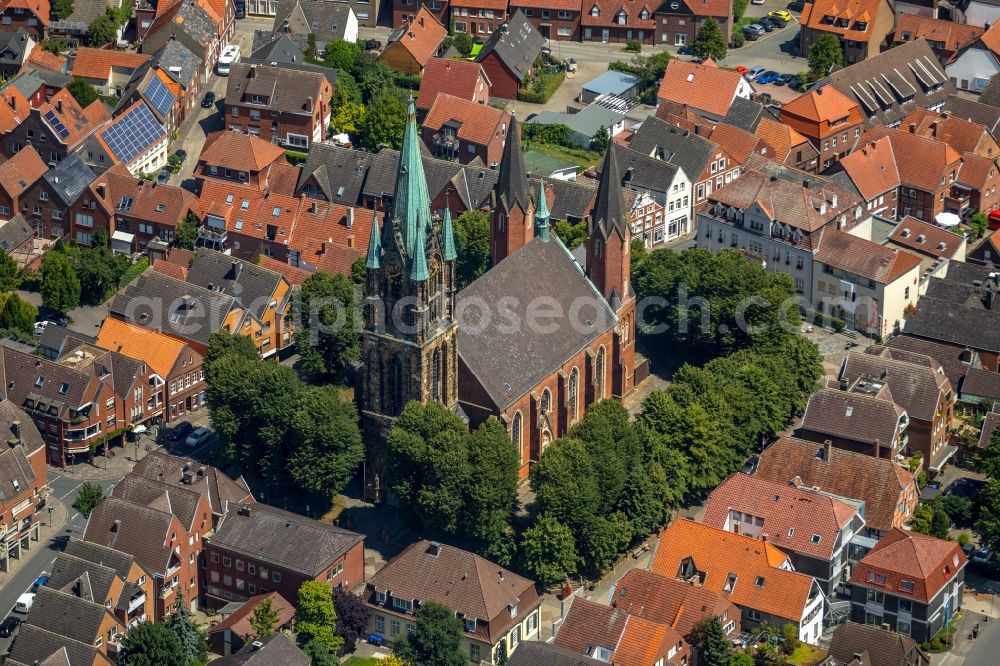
column 47, row 532
column 107, row 467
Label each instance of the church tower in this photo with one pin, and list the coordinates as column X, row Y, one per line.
column 512, row 224
column 609, row 267
column 409, row 340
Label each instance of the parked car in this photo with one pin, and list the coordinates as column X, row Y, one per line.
column 757, row 2
column 790, row 80
column 9, row 625
column 208, row 101
column 198, row 437
column 41, row 581
column 373, row 45
column 24, row 603
column 685, row 50
column 753, row 31
column 784, row 15
column 180, row 431
column 742, row 71
column 994, row 218
column 754, row 72
column 162, row 177
column 982, row 556
column 778, row 22
column 766, row 24
column 770, row 76
column 181, row 155
column 58, row 320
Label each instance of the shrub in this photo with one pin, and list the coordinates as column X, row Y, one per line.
column 633, row 46
column 738, row 40
column 542, row 87
column 295, row 157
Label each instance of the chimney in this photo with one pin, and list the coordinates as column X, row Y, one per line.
column 309, row 103
column 350, row 218
column 59, row 105
column 913, row 128
column 827, row 448
column 313, row 207
column 252, row 74
column 256, row 646
column 433, row 549
column 245, row 510
column 805, row 183
column 876, row 447
column 237, row 267
column 796, row 481
column 934, row 127
column 115, row 526
column 15, row 428
column 945, row 114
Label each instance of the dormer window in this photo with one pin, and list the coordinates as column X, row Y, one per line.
column 402, row 604
column 595, row 11
column 621, row 18
column 379, row 597
column 470, row 624
column 256, row 99
column 644, row 14
column 861, row 26
column 513, row 610
column 843, row 22
column 828, row 19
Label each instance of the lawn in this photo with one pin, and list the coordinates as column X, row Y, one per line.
column 361, row 661
column 806, row 655
column 578, row 156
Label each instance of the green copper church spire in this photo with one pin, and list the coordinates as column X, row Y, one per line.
column 418, row 269
column 374, row 247
column 411, row 204
column 542, row 213
column 448, row 237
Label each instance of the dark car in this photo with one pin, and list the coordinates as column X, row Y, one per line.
column 8, row 626
column 180, row 431
column 162, row 177
column 208, row 101
column 181, row 155
column 766, row 24
column 790, row 80
column 373, row 45
column 777, row 21
column 58, row 320
column 753, row 31
column 685, row 50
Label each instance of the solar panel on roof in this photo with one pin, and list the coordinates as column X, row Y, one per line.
column 133, row 133
column 56, row 124
column 159, row 96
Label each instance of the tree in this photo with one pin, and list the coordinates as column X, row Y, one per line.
column 151, row 644
column 353, row 615
column 979, row 223
column 87, row 498
column 102, row 31
column 328, row 442
column 492, row 490
column 436, row 639
column 463, row 43
column 98, row 269
column 987, row 460
column 638, row 251
column 84, row 93
column 347, row 110
column 987, row 527
column 709, row 42
column 17, row 314
column 62, row 8
column 572, row 235
column 565, row 483
column 472, row 243
column 222, row 343
column 10, row 275
column 264, row 619
column 392, row 660
column 315, row 617
column 929, row 518
column 825, row 54
column 342, row 54
column 548, row 550
column 60, row 286
column 790, row 636
column 358, row 271
column 383, row 123
column 599, row 142
column 191, row 639
column 320, row 653
column 709, row 639
column 186, row 233
column 327, row 338
column 120, row 15
column 958, row 508
column 373, row 77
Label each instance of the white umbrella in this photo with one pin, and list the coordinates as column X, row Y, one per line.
column 947, row 220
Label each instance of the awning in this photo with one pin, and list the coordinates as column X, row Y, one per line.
column 947, row 220
column 945, row 456
column 139, row 429
column 123, row 236
column 863, row 541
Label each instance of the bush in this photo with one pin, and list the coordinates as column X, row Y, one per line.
column 739, row 7
column 738, row 40
column 295, row 157
column 633, row 46
column 541, row 87
column 407, row 81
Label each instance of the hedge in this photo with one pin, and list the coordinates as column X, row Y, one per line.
column 135, row 270
column 541, row 88
column 295, row 157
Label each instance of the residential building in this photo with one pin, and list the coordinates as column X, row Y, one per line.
column 618, row 21
column 197, row 25
column 678, row 21
column 327, row 237
column 668, row 188
column 135, row 139
column 23, row 477
column 910, row 581
column 508, row 56
column 40, row 646
column 875, row 645
column 978, row 12
column 946, row 37
column 16, row 175
column 871, row 171
column 242, row 158
column 337, row 174
column 56, row 127
column 863, row 419
column 554, row 19
column 287, row 107
column 163, row 95
column 611, row 82
column 47, row 203
column 704, row 88
column 184, row 68
column 463, row 130
column 889, row 85
column 496, row 605
column 28, row 16
column 130, row 602
column 789, row 147
column 664, row 600
column 404, row 10
column 235, row 631
column 607, row 113
column 861, row 26
column 327, row 21
column 176, row 383
column 927, row 8
column 963, row 134
column 74, row 614
column 478, row 17
column 106, row 70
column 15, row 50
column 537, row 653
column 937, row 247
column 753, row 574
column 457, row 78
column 987, row 252
column 136, row 581
column 613, row 635
column 276, row 649
column 740, row 144
column 414, row 42
column 889, row 490
column 830, row 119
column 975, row 64
column 258, row 549
column 814, row 529
column 18, row 240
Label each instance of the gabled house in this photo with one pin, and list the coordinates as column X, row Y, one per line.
column 705, row 88
column 791, row 148
column 275, row 649
column 23, row 475
column 56, row 125
column 975, row 64
column 106, row 70
column 678, row 21
column 870, row 644
column 73, row 613
column 327, row 21
column 243, row 221
column 164, row 97
column 47, row 203
column 326, row 237
column 136, row 581
column 554, row 19
column 457, row 78
column 863, row 419
column 235, row 631
column 618, row 21
column 185, row 69
column 463, row 130
column 404, row 10
column 963, row 134
column 197, row 26
column 16, row 175
column 136, row 139
column 414, row 42
column 130, row 602
column 477, row 17
column 861, row 26
column 889, row 490
column 871, row 171
column 508, row 56
column 17, row 240
column 28, row 16
column 667, row 185
column 496, row 606
column 244, row 159
column 15, row 50
column 946, row 37
column 831, row 120
column 911, row 582
column 752, row 573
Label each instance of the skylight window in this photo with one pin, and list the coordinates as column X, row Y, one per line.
column 816, row 538
column 759, row 582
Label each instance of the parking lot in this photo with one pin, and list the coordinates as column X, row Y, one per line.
column 776, row 50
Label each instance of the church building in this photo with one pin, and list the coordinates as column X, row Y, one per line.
column 533, row 342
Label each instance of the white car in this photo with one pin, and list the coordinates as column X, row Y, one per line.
column 198, row 437
column 40, row 327
column 756, row 2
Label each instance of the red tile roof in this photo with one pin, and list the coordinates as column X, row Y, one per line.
column 609, row 10
column 238, row 151
column 991, row 38
column 823, row 106
column 14, row 108
column 171, row 270
column 779, row 136
column 40, row 8
column 565, row 5
column 701, row 86
column 671, row 602
column 863, row 257
column 239, row 622
column 953, row 35
column 632, row 640
column 479, row 124
column 872, row 168
column 159, row 351
column 976, row 171
column 739, row 143
column 454, row 77
column 295, row 276
column 80, row 123
column 247, row 211
column 93, row 63
column 961, row 134
column 903, row 557
column 706, row 7
column 421, row 36
column 853, row 11
column 42, row 59
column 21, row 172
column 323, row 238
column 921, row 162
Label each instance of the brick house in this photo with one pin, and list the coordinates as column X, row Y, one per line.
column 509, row 55
column 48, row 203
column 830, row 120
column 463, row 130
column 287, row 107
column 496, row 605
column 31, row 16
column 235, row 631
column 947, row 38
column 678, row 21
column 107, row 70
column 198, row 26
column 415, row 41
column 74, row 613
column 478, row 17
column 862, row 27
column 404, row 10
column 790, row 147
column 56, row 127
column 872, row 171
column 704, row 88
column 618, row 21
column 16, row 175
column 138, row 583
column 23, row 471
column 554, row 19
column 129, row 601
column 458, row 78
column 258, row 549
column 864, row 420
column 244, row 159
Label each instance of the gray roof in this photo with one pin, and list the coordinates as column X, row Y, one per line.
column 277, row 650
column 172, row 306
column 981, row 383
column 253, row 287
column 326, row 20
column 287, row 90
column 907, row 76
column 990, row 424
column 283, row 539
column 853, row 416
column 179, row 62
column 14, row 232
column 195, row 21
column 517, row 44
column 218, row 488
column 991, row 93
column 975, row 111
column 916, row 385
column 270, row 43
column 538, row 269
column 101, row 555
column 180, row 501
column 954, row 323
column 134, row 529
column 280, row 58
column 35, row 646
column 512, row 179
column 614, row 82
column 16, row 475
column 67, row 571
column 474, row 183
column 610, row 213
column 744, row 114
column 69, row 178
column 586, row 121
column 644, row 173
column 67, row 615
column 333, row 165
column 26, row 376
column 85, row 11
column 15, row 42
column 949, row 356
column 658, row 138
column 572, row 200
column 537, row 653
column 60, row 339
column 883, row 647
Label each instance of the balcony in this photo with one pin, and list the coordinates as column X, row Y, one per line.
column 167, row 591
column 443, row 140
column 136, row 602
column 137, row 620
column 213, row 239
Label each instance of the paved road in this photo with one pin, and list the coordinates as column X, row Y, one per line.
column 64, row 489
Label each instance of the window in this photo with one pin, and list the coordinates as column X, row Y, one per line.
column 906, row 586
column 470, row 624
column 402, row 604
column 474, row 652
column 906, row 605
column 227, row 561
column 276, row 576
column 394, row 628
column 876, row 596
column 571, row 406
column 816, row 538
column 215, row 557
column 379, row 597
column 380, row 624
column 753, row 615
column 599, row 372
column 515, row 431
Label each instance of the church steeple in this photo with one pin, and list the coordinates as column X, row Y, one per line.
column 374, row 259
column 448, row 237
column 512, row 222
column 418, row 269
column 411, row 202
column 542, row 213
column 608, row 236
column 512, row 185
column 609, row 214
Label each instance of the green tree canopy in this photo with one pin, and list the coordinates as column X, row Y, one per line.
column 17, row 314
column 87, row 498
column 84, row 93
column 102, row 31
column 472, row 243
column 192, row 640
column 264, row 619
column 328, row 448
column 548, row 550
column 825, row 54
column 342, row 54
column 384, row 120
column 10, row 275
column 709, row 639
column 60, row 285
column 709, row 42
column 572, row 235
column 327, row 337
column 436, row 639
column 186, row 233
column 463, row 43
column 62, row 8
column 315, row 617
column 99, row 270
column 151, row 644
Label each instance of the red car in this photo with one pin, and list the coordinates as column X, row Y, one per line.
column 994, row 217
